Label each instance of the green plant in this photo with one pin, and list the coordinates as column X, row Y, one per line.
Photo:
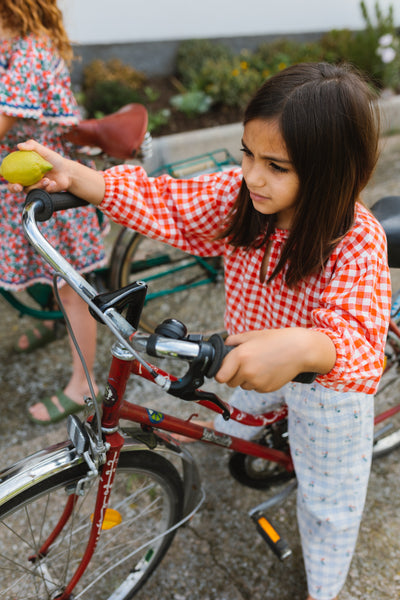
column 106, row 97
column 389, row 53
column 269, row 58
column 191, row 56
column 361, row 48
column 112, row 70
column 192, row 103
column 230, row 81
column 209, row 74
column 158, row 119
column 108, row 86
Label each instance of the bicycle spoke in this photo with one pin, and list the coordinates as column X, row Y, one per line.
column 149, row 504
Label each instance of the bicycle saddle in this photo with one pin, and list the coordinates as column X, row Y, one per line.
column 119, row 135
column 387, row 211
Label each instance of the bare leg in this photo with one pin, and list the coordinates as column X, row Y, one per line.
column 84, row 327
column 23, row 343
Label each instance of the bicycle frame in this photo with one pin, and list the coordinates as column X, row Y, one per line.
column 125, row 362
column 153, row 434
column 115, row 408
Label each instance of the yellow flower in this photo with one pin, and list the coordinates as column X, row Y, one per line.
column 235, row 72
column 282, row 66
column 243, row 65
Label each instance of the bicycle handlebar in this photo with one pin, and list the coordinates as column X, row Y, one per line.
column 209, row 352
column 204, row 356
column 48, row 204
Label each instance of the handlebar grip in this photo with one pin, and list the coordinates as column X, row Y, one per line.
column 51, row 203
column 221, row 350
column 306, row 377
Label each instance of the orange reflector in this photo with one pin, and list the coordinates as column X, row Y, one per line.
column 111, row 519
column 269, row 530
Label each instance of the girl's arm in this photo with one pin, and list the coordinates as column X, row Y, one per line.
column 266, row 360
column 6, row 122
column 66, row 175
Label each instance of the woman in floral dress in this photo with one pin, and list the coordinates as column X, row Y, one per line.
column 36, row 101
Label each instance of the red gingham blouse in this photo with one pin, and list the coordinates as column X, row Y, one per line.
column 349, row 301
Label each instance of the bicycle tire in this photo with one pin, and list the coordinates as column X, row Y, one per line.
column 179, row 285
column 387, row 433
column 259, row 473
column 147, row 493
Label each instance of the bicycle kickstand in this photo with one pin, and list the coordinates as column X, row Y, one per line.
column 266, row 528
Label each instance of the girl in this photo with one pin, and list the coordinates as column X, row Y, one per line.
column 36, row 101
column 307, row 281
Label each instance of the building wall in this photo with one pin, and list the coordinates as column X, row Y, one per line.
column 146, row 34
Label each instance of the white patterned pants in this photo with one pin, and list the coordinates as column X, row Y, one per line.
column 330, row 437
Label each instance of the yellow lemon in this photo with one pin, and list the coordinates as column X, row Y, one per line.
column 24, row 166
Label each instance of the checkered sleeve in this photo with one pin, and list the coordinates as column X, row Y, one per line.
column 354, row 312
column 184, row 213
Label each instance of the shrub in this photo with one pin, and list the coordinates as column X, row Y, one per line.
column 269, row 58
column 209, row 73
column 113, row 70
column 106, row 97
column 191, row 56
column 361, row 48
column 204, row 66
column 229, row 81
column 109, row 85
column 192, row 103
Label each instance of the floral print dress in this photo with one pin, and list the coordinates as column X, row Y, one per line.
column 35, row 87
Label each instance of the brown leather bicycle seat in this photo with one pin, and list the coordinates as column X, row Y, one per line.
column 119, row 135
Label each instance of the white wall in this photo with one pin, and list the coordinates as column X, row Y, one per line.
column 105, row 21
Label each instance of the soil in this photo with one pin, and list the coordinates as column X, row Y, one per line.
column 166, row 87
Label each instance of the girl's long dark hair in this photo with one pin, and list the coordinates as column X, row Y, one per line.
column 329, row 121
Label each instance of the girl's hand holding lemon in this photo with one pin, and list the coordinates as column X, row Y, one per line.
column 56, row 173
column 34, row 165
column 25, row 167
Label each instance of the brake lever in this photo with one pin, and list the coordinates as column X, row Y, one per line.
column 196, row 395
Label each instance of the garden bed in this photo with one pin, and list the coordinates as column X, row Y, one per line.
column 179, row 122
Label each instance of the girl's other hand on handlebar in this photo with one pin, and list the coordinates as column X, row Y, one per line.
column 55, row 180
column 266, row 360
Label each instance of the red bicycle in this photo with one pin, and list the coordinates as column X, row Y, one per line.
column 93, row 516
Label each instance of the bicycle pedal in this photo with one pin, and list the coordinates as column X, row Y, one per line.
column 271, row 535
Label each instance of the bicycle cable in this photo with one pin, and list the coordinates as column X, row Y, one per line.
column 77, row 348
column 160, row 380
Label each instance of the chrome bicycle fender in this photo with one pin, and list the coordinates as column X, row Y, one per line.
column 62, row 456
column 38, row 466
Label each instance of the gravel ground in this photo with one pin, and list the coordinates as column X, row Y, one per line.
column 218, row 556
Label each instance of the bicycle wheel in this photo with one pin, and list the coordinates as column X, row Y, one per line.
column 182, row 286
column 147, row 495
column 387, row 432
column 259, row 473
